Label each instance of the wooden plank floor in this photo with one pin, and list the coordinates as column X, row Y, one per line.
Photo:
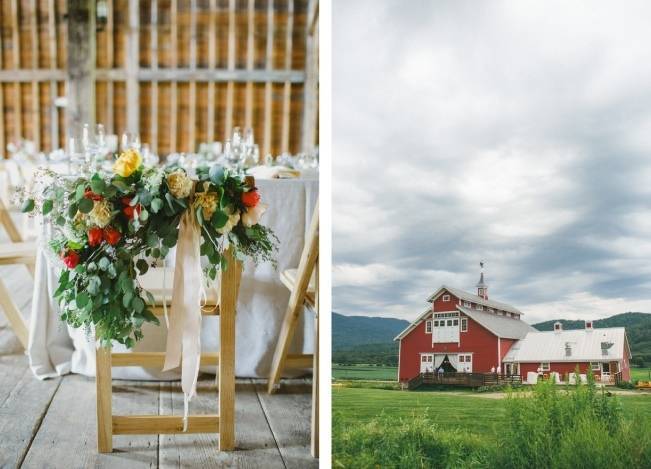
column 51, row 424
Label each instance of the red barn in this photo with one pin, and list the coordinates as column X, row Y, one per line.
column 464, row 332
column 605, row 351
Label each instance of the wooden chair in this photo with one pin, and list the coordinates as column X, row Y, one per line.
column 222, row 423
column 303, row 290
column 15, row 252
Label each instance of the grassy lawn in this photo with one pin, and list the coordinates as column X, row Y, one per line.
column 643, row 374
column 463, row 410
column 365, row 372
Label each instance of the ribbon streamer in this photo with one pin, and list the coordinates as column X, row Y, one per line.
column 184, row 334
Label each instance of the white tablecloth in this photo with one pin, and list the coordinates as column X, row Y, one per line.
column 56, row 349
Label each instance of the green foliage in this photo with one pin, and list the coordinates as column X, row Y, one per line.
column 625, row 385
column 549, row 426
column 131, row 221
column 415, row 442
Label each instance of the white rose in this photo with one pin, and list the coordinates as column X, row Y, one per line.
column 233, row 220
column 252, row 215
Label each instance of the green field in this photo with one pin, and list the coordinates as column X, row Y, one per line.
column 643, row 374
column 452, row 410
column 365, row 372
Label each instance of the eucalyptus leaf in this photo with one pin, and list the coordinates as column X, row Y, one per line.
column 82, row 299
column 27, row 206
column 85, row 205
column 156, row 205
column 104, row 263
column 219, row 219
column 137, row 304
column 79, row 192
column 142, row 266
column 48, row 205
column 98, row 186
column 217, row 174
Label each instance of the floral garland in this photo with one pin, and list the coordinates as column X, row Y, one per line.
column 108, row 229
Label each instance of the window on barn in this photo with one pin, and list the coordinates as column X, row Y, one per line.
column 595, row 367
column 544, row 366
column 423, row 358
column 428, row 327
column 462, row 358
column 467, row 304
column 449, row 322
column 455, row 322
column 480, row 307
column 468, row 358
column 464, row 325
column 446, row 297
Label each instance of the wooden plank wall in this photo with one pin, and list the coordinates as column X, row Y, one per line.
column 193, row 68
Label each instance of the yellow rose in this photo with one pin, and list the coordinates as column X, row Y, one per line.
column 128, row 162
column 207, row 201
column 179, row 183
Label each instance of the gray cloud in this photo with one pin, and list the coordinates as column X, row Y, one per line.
column 514, row 132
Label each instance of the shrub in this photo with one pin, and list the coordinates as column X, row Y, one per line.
column 557, row 427
column 625, row 385
column 405, row 443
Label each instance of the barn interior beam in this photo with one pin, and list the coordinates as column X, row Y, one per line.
column 80, row 71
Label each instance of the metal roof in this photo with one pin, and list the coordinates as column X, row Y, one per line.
column 475, row 299
column 584, row 345
column 501, row 326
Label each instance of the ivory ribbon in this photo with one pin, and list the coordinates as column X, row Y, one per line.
column 184, row 334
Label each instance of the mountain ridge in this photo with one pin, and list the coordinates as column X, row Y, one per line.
column 369, row 339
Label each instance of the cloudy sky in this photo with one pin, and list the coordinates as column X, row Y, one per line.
column 516, row 132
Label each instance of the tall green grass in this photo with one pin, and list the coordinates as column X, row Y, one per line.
column 548, row 427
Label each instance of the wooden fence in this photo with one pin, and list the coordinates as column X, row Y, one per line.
column 178, row 72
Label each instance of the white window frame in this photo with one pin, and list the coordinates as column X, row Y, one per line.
column 446, row 298
column 595, row 366
column 480, row 307
column 544, row 366
column 467, row 304
column 428, row 325
column 464, row 324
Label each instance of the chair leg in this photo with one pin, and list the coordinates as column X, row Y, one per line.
column 16, row 320
column 104, row 400
column 282, row 347
column 315, row 393
column 227, row 304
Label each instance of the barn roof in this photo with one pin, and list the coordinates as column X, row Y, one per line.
column 501, row 326
column 585, row 345
column 411, row 326
column 463, row 295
